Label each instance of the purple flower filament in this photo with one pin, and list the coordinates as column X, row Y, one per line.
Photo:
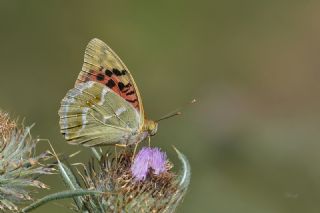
column 148, row 159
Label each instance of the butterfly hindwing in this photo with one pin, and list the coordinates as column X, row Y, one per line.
column 101, row 64
column 93, row 114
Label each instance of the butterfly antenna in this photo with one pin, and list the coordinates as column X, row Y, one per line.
column 175, row 112
column 170, row 115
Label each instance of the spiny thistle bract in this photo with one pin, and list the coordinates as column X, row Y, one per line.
column 125, row 191
column 19, row 166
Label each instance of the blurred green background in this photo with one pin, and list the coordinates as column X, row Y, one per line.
column 252, row 139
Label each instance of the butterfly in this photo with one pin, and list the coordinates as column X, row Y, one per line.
column 105, row 106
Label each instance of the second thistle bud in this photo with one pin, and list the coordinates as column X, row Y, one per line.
column 19, row 166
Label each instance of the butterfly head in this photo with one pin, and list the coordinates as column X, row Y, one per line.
column 151, row 127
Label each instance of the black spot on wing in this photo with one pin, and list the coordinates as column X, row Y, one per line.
column 108, row 72
column 100, row 77
column 121, row 86
column 118, row 72
column 110, row 84
column 124, row 88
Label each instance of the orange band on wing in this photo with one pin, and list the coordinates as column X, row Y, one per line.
column 111, row 78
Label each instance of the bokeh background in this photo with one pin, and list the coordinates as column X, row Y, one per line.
column 252, row 139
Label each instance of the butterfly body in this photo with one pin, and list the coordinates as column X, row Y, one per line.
column 105, row 106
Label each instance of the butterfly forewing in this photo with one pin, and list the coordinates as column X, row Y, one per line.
column 93, row 114
column 102, row 65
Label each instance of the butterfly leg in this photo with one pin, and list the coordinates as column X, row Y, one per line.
column 134, row 151
column 122, row 145
column 116, row 152
column 136, row 146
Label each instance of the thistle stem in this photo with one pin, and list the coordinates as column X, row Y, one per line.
column 59, row 196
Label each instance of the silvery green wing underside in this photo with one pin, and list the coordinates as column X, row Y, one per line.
column 92, row 114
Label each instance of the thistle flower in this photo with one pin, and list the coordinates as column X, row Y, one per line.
column 148, row 160
column 19, row 167
column 160, row 189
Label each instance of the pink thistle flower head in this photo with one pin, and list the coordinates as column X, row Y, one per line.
column 148, row 159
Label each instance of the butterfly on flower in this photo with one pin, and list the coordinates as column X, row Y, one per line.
column 105, row 106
